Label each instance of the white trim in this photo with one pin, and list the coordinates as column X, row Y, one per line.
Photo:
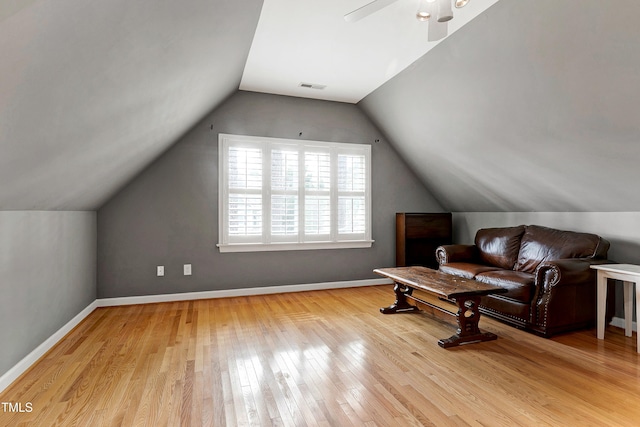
column 618, row 322
column 19, row 368
column 288, row 246
column 23, row 365
column 225, row 293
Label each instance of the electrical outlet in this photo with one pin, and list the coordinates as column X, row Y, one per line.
column 160, row 270
column 187, row 269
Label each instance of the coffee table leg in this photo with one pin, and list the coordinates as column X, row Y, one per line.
column 401, row 303
column 468, row 317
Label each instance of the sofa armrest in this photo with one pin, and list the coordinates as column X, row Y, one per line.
column 565, row 294
column 564, row 272
column 456, row 253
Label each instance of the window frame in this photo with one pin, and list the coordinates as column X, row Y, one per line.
column 300, row 241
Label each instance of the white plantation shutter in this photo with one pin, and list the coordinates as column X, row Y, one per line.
column 317, row 194
column 245, row 168
column 278, row 194
column 245, row 193
column 284, row 194
column 352, row 185
column 317, row 171
column 317, row 214
column 245, row 215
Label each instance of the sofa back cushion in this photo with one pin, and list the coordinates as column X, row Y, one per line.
column 547, row 244
column 499, row 246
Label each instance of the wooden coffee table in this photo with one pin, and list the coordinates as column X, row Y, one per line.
column 465, row 293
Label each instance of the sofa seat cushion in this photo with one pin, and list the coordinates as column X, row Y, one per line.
column 465, row 269
column 520, row 286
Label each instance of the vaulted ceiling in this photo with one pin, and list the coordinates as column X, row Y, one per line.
column 531, row 106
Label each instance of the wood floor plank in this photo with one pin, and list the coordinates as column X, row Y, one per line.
column 323, row 358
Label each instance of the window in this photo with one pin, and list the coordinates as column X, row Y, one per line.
column 280, row 194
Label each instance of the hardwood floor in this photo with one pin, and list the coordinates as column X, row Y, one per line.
column 324, row 358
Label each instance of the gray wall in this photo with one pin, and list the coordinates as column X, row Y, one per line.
column 47, row 276
column 169, row 216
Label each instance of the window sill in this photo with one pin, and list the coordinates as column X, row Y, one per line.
column 263, row 247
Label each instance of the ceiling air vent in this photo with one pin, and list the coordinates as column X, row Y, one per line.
column 312, row 86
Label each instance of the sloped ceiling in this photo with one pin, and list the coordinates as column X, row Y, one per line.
column 91, row 92
column 533, row 106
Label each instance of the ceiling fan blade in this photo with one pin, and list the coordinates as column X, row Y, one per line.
column 367, row 10
column 437, row 30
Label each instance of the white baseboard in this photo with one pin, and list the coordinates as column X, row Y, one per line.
column 619, row 322
column 187, row 296
column 12, row 374
column 19, row 368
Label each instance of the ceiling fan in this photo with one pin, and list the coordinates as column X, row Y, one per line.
column 438, row 12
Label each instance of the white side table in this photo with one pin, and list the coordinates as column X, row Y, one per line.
column 628, row 274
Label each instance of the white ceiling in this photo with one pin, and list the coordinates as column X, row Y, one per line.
column 310, row 42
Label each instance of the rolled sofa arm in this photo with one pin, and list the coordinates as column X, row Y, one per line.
column 456, row 253
column 564, row 272
column 565, row 294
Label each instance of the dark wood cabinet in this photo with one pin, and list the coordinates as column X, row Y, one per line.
column 418, row 235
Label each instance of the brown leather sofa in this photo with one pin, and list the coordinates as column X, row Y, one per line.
column 551, row 288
